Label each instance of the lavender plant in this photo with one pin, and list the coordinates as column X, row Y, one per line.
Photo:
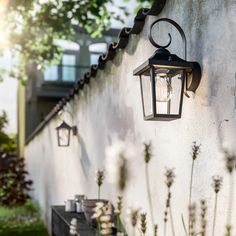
column 147, row 158
column 216, row 184
column 99, row 180
column 194, row 155
column 192, row 219
column 133, row 215
column 143, row 223
column 230, row 160
column 155, row 229
column 118, row 212
column 118, row 157
column 169, row 174
column 203, row 217
column 123, row 173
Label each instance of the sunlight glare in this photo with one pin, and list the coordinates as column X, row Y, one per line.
column 4, row 42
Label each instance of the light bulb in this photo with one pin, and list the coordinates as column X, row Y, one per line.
column 163, row 86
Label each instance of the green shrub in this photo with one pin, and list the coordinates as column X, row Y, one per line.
column 29, row 208
column 14, row 186
column 32, row 229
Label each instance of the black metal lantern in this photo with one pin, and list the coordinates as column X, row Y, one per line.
column 64, row 133
column 163, row 78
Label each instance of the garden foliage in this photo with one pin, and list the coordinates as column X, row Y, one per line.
column 32, row 27
column 21, row 220
column 7, row 143
column 13, row 180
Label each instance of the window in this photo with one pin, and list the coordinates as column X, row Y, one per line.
column 94, row 58
column 66, row 70
column 68, row 67
column 96, row 50
column 51, row 73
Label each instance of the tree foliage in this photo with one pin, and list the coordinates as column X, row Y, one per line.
column 33, row 25
column 7, row 143
column 141, row 4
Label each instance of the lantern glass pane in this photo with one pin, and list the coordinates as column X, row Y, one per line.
column 168, row 87
column 64, row 136
column 146, row 90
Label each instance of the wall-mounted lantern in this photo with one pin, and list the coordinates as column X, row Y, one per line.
column 64, row 133
column 163, row 78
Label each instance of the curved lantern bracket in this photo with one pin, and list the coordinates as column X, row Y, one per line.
column 177, row 26
column 194, row 76
column 165, row 78
column 74, row 127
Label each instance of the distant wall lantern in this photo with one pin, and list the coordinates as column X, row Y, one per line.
column 163, row 78
column 64, row 133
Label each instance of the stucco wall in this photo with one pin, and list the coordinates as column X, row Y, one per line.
column 110, row 108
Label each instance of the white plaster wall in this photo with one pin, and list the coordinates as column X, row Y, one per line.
column 110, row 107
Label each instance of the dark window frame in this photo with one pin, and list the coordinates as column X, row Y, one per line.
column 61, row 65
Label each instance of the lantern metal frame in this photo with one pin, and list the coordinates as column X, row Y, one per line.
column 164, row 59
column 64, row 125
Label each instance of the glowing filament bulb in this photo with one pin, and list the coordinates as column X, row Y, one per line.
column 163, row 86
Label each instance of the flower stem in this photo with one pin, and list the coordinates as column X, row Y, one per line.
column 230, row 206
column 190, row 192
column 214, row 217
column 99, row 190
column 99, row 229
column 118, row 223
column 165, row 229
column 172, row 221
column 166, row 211
column 185, row 230
column 133, row 233
column 149, row 194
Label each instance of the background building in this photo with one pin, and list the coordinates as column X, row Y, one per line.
column 44, row 89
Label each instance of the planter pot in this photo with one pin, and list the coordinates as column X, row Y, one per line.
column 70, row 205
column 88, row 206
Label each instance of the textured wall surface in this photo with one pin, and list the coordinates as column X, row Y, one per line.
column 110, row 108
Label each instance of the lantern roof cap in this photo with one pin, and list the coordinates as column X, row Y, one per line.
column 163, row 58
column 64, row 125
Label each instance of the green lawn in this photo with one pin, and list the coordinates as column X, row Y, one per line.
column 23, row 220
